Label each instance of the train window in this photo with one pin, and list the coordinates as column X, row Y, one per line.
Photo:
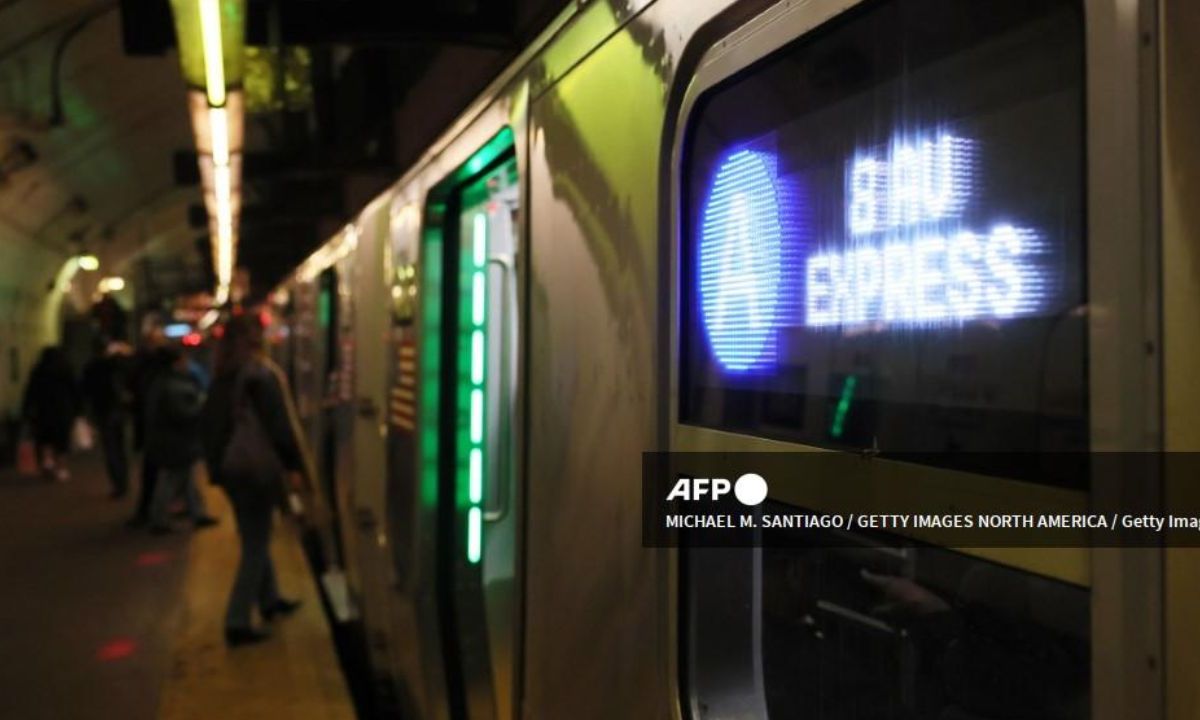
column 855, row 627
column 884, row 235
column 885, row 632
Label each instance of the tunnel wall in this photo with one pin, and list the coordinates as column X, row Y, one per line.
column 30, row 308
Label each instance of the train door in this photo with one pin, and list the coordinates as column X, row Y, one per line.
column 307, row 374
column 308, row 329
column 340, row 406
column 486, row 463
column 897, row 287
column 324, row 365
column 314, row 331
column 477, row 476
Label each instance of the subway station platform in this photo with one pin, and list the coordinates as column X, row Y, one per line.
column 100, row 620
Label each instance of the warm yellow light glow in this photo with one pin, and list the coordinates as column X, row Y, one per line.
column 222, row 296
column 329, row 254
column 218, row 130
column 221, row 195
column 89, row 262
column 214, row 55
column 224, row 255
column 111, row 284
column 218, row 127
column 209, row 319
column 224, row 234
column 217, row 119
column 62, row 281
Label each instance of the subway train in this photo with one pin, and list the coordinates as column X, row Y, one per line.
column 871, row 228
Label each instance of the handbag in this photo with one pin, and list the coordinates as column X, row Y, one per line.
column 83, row 438
column 250, row 458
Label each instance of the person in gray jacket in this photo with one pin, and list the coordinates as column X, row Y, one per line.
column 173, row 441
column 246, row 379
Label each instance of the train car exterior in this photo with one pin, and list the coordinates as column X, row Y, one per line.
column 485, row 352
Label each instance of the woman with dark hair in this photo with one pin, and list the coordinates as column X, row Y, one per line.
column 49, row 409
column 249, row 388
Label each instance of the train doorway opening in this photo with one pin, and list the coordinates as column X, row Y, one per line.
column 478, row 518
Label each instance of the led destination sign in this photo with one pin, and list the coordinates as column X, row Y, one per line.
column 912, row 260
column 920, row 180
column 910, row 253
column 929, row 279
column 741, row 261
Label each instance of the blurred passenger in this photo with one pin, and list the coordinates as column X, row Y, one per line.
column 50, row 407
column 147, row 364
column 198, row 371
column 106, row 389
column 248, row 405
column 173, row 440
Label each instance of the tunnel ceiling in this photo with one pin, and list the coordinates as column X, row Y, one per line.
column 81, row 149
column 97, row 153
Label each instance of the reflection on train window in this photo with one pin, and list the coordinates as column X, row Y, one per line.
column 884, row 240
column 869, row 630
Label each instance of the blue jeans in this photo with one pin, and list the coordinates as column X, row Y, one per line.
column 255, row 579
column 173, row 482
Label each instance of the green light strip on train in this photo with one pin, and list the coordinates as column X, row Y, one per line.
column 476, row 453
column 478, row 302
column 480, row 231
column 474, row 534
column 843, row 407
column 476, row 486
column 477, row 357
column 476, row 416
column 429, row 358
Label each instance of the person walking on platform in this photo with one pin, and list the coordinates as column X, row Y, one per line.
column 49, row 409
column 147, row 364
column 251, row 444
column 105, row 387
column 173, row 442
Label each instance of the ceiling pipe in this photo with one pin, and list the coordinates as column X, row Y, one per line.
column 57, row 117
column 26, row 121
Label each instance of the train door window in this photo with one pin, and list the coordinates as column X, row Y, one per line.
column 325, row 353
column 882, row 246
column 884, row 234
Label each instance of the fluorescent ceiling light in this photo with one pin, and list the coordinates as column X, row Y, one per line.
column 111, row 284
column 221, row 194
column 209, row 319
column 218, row 127
column 214, row 54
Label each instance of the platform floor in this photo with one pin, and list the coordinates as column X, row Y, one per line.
column 293, row 675
column 97, row 620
